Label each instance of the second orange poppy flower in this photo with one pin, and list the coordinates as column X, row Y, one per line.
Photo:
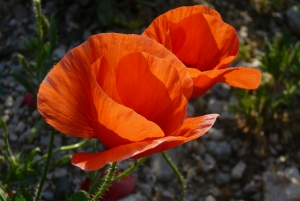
column 205, row 44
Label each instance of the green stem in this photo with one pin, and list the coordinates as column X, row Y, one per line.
column 46, row 167
column 129, row 170
column 9, row 155
column 176, row 171
column 63, row 148
column 107, row 181
column 38, row 15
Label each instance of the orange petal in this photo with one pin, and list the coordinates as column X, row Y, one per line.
column 204, row 42
column 191, row 129
column 113, row 47
column 98, row 160
column 62, row 97
column 152, row 87
column 159, row 28
column 195, row 127
column 241, row 77
column 116, row 124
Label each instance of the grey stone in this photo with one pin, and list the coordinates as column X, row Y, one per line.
column 18, row 102
column 13, row 137
column 20, row 88
column 214, row 191
column 221, row 150
column 282, row 185
column 86, row 34
column 215, row 134
column 60, row 51
column 251, row 187
column 222, row 178
column 35, row 114
column 201, row 149
column 20, row 12
column 47, row 195
column 215, row 106
column 209, row 159
column 161, row 168
column 146, row 189
column 204, row 167
column 62, row 187
column 238, row 170
column 293, row 15
column 221, row 90
column 190, row 110
column 167, row 194
column 20, row 127
column 293, row 174
column 60, row 172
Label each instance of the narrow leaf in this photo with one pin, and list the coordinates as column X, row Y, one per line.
column 22, row 79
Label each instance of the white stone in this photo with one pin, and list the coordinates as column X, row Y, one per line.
column 210, row 198
column 134, row 197
column 9, row 102
column 238, row 170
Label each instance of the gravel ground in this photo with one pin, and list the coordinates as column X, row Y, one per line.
column 225, row 164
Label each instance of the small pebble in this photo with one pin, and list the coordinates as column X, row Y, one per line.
column 238, row 170
column 9, row 102
column 20, row 127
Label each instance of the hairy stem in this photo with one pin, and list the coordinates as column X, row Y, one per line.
column 176, row 171
column 129, row 170
column 107, row 181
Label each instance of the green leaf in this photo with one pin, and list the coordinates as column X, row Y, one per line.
column 30, row 157
column 25, row 64
column 24, row 81
column 52, row 34
column 3, row 126
column 45, row 24
column 26, row 195
column 35, row 129
column 80, row 196
column 64, row 160
column 17, row 197
column 3, row 194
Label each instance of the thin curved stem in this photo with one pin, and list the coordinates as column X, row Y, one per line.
column 38, row 193
column 63, row 148
column 106, row 183
column 129, row 170
column 176, row 171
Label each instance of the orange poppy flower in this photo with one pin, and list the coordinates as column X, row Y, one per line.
column 205, row 44
column 128, row 91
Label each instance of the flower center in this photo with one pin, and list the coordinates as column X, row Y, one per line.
column 190, row 65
